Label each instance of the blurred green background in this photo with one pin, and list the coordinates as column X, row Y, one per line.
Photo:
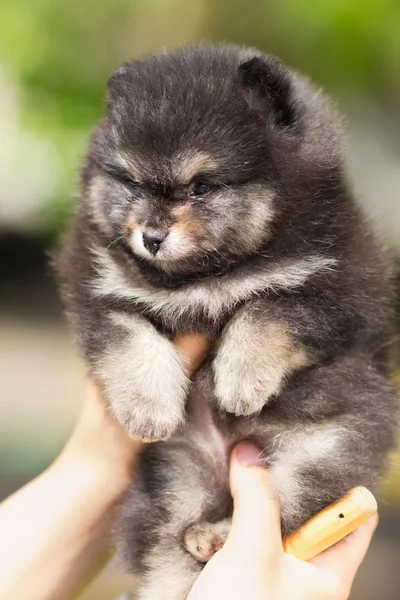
column 55, row 58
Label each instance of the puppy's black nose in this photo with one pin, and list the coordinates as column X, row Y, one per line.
column 152, row 240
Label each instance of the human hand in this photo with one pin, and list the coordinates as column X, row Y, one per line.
column 65, row 517
column 252, row 564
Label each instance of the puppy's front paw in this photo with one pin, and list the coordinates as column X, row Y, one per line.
column 149, row 416
column 146, row 386
column 251, row 364
column 244, row 383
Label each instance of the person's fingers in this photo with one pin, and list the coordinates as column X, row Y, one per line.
column 195, row 348
column 256, row 527
column 344, row 558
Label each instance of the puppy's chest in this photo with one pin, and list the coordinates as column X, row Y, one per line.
column 202, row 306
column 197, row 311
column 206, row 305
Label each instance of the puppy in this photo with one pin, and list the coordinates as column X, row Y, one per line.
column 214, row 199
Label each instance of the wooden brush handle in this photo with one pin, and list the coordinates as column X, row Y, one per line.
column 332, row 524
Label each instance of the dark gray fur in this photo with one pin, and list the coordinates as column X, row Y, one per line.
column 317, row 296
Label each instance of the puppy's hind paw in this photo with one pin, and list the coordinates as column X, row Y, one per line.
column 203, row 540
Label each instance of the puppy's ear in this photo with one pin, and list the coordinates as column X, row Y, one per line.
column 268, row 87
column 117, row 85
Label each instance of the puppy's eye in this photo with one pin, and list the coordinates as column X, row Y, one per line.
column 200, row 189
column 132, row 186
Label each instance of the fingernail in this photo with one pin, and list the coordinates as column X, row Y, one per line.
column 249, row 455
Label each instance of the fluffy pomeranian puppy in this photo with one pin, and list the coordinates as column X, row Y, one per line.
column 214, row 200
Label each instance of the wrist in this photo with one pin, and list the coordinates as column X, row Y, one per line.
column 99, row 446
column 67, row 533
column 81, row 474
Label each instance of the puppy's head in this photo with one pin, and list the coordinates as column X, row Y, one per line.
column 187, row 168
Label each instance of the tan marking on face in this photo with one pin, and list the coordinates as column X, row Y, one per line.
column 187, row 223
column 96, row 191
column 130, row 164
column 256, row 226
column 186, row 166
column 131, row 224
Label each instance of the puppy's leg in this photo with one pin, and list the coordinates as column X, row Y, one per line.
column 170, row 574
column 254, row 357
column 143, row 377
column 314, row 466
column 179, row 483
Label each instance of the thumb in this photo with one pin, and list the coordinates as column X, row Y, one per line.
column 256, row 526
